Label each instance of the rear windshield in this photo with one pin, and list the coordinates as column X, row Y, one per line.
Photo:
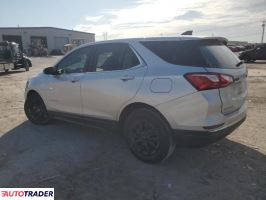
column 196, row 53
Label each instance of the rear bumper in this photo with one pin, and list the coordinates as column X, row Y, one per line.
column 201, row 138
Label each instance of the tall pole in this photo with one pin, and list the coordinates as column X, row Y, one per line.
column 263, row 27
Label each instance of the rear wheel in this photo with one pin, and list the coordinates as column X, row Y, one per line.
column 148, row 136
column 35, row 110
column 6, row 70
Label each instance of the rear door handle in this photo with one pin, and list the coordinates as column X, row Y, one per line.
column 75, row 80
column 127, row 78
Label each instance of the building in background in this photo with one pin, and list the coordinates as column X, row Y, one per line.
column 34, row 40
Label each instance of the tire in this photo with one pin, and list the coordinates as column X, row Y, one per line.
column 148, row 135
column 35, row 110
column 247, row 58
column 27, row 66
column 6, row 70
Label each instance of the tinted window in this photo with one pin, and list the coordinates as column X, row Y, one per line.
column 177, row 52
column 76, row 62
column 219, row 56
column 194, row 53
column 111, row 57
column 130, row 59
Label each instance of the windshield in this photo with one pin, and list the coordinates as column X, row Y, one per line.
column 15, row 48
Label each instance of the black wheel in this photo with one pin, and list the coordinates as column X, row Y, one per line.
column 35, row 110
column 6, row 70
column 27, row 66
column 247, row 58
column 148, row 135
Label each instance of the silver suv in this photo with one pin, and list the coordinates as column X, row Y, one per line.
column 158, row 90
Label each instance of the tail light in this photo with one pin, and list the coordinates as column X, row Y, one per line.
column 207, row 81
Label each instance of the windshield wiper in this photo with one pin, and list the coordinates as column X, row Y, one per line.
column 240, row 63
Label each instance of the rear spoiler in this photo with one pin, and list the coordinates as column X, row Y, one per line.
column 216, row 39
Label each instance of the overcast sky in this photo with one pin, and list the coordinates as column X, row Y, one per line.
column 236, row 20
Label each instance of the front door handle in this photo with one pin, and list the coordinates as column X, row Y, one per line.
column 127, row 78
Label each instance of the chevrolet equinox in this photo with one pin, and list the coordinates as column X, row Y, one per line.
column 160, row 91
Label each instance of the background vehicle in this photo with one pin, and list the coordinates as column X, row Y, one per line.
column 12, row 58
column 69, row 47
column 233, row 48
column 156, row 89
column 258, row 53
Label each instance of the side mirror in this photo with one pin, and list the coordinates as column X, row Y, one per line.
column 52, row 71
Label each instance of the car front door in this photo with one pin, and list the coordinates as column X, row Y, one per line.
column 118, row 73
column 258, row 53
column 64, row 90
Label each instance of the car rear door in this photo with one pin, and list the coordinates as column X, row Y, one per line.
column 118, row 74
column 221, row 60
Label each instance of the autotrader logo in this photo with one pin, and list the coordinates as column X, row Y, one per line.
column 27, row 193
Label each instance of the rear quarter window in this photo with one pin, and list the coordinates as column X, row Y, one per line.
column 219, row 56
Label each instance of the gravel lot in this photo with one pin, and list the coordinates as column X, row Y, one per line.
column 86, row 163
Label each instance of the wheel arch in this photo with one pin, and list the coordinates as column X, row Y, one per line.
column 29, row 62
column 32, row 92
column 136, row 105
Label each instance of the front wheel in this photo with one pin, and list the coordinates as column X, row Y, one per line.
column 148, row 135
column 247, row 58
column 35, row 110
column 27, row 66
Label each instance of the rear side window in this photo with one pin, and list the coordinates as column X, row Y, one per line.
column 196, row 53
column 177, row 52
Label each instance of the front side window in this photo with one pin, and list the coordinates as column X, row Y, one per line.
column 76, row 62
column 110, row 57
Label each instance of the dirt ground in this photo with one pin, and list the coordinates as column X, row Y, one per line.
column 85, row 163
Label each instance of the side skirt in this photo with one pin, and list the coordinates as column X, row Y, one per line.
column 84, row 120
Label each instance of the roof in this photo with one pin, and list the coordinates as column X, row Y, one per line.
column 178, row 38
column 45, row 27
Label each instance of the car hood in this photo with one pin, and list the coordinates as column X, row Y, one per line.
column 247, row 51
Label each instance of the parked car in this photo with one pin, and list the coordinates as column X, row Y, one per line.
column 12, row 58
column 56, row 52
column 233, row 48
column 158, row 90
column 258, row 53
